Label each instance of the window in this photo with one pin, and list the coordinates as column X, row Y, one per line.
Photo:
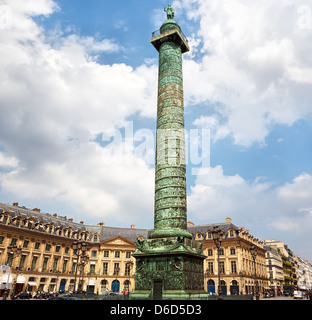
column 209, row 235
column 210, row 267
column 33, row 263
column 117, row 254
column 209, row 252
column 221, row 265
column 231, row 233
column 48, row 247
column 106, row 254
column 57, row 248
column 13, row 241
column 37, row 245
column 221, row 252
column 95, row 238
column 127, row 269
column 55, row 264
column 128, row 254
column 66, row 250
column 92, row 268
column 103, row 285
column 93, row 253
column 233, row 266
column 116, row 268
column 1, row 239
column 22, row 261
column 65, row 266
column 45, row 264
column 5, row 219
column 105, row 268
column 25, row 244
column 232, row 250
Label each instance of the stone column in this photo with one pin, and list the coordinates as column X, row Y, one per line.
column 170, row 213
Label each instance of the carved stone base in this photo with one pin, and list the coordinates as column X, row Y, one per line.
column 169, row 268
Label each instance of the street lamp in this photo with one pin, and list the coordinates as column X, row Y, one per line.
column 129, row 266
column 79, row 248
column 217, row 235
column 254, row 251
column 82, row 264
column 14, row 252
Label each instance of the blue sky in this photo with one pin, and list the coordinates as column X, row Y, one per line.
column 73, row 70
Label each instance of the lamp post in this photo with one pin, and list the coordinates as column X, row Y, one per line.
column 207, row 274
column 14, row 252
column 79, row 248
column 217, row 235
column 253, row 251
column 129, row 266
column 82, row 264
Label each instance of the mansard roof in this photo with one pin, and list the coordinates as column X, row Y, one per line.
column 102, row 231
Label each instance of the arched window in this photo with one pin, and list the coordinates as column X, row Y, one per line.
column 104, row 284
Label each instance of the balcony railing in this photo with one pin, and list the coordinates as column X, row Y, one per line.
column 157, row 33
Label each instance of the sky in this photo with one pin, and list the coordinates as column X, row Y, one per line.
column 78, row 101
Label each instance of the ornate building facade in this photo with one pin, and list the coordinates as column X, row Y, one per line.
column 47, row 261
column 237, row 265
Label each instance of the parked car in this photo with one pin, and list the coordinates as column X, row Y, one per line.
column 111, row 294
column 64, row 298
column 22, row 295
column 298, row 294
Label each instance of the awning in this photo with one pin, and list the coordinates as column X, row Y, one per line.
column 302, row 287
column 32, row 284
column 6, row 279
column 20, row 279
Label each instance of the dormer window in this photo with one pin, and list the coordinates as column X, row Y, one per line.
column 231, row 233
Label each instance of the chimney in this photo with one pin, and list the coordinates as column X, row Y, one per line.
column 15, row 204
column 36, row 210
column 101, row 224
column 132, row 226
column 55, row 215
column 81, row 222
column 190, row 223
column 228, row 220
column 70, row 219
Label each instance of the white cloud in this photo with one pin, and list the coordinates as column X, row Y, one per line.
column 282, row 212
column 55, row 98
column 7, row 162
column 254, row 64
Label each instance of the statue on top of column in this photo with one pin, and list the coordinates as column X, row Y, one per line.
column 169, row 11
